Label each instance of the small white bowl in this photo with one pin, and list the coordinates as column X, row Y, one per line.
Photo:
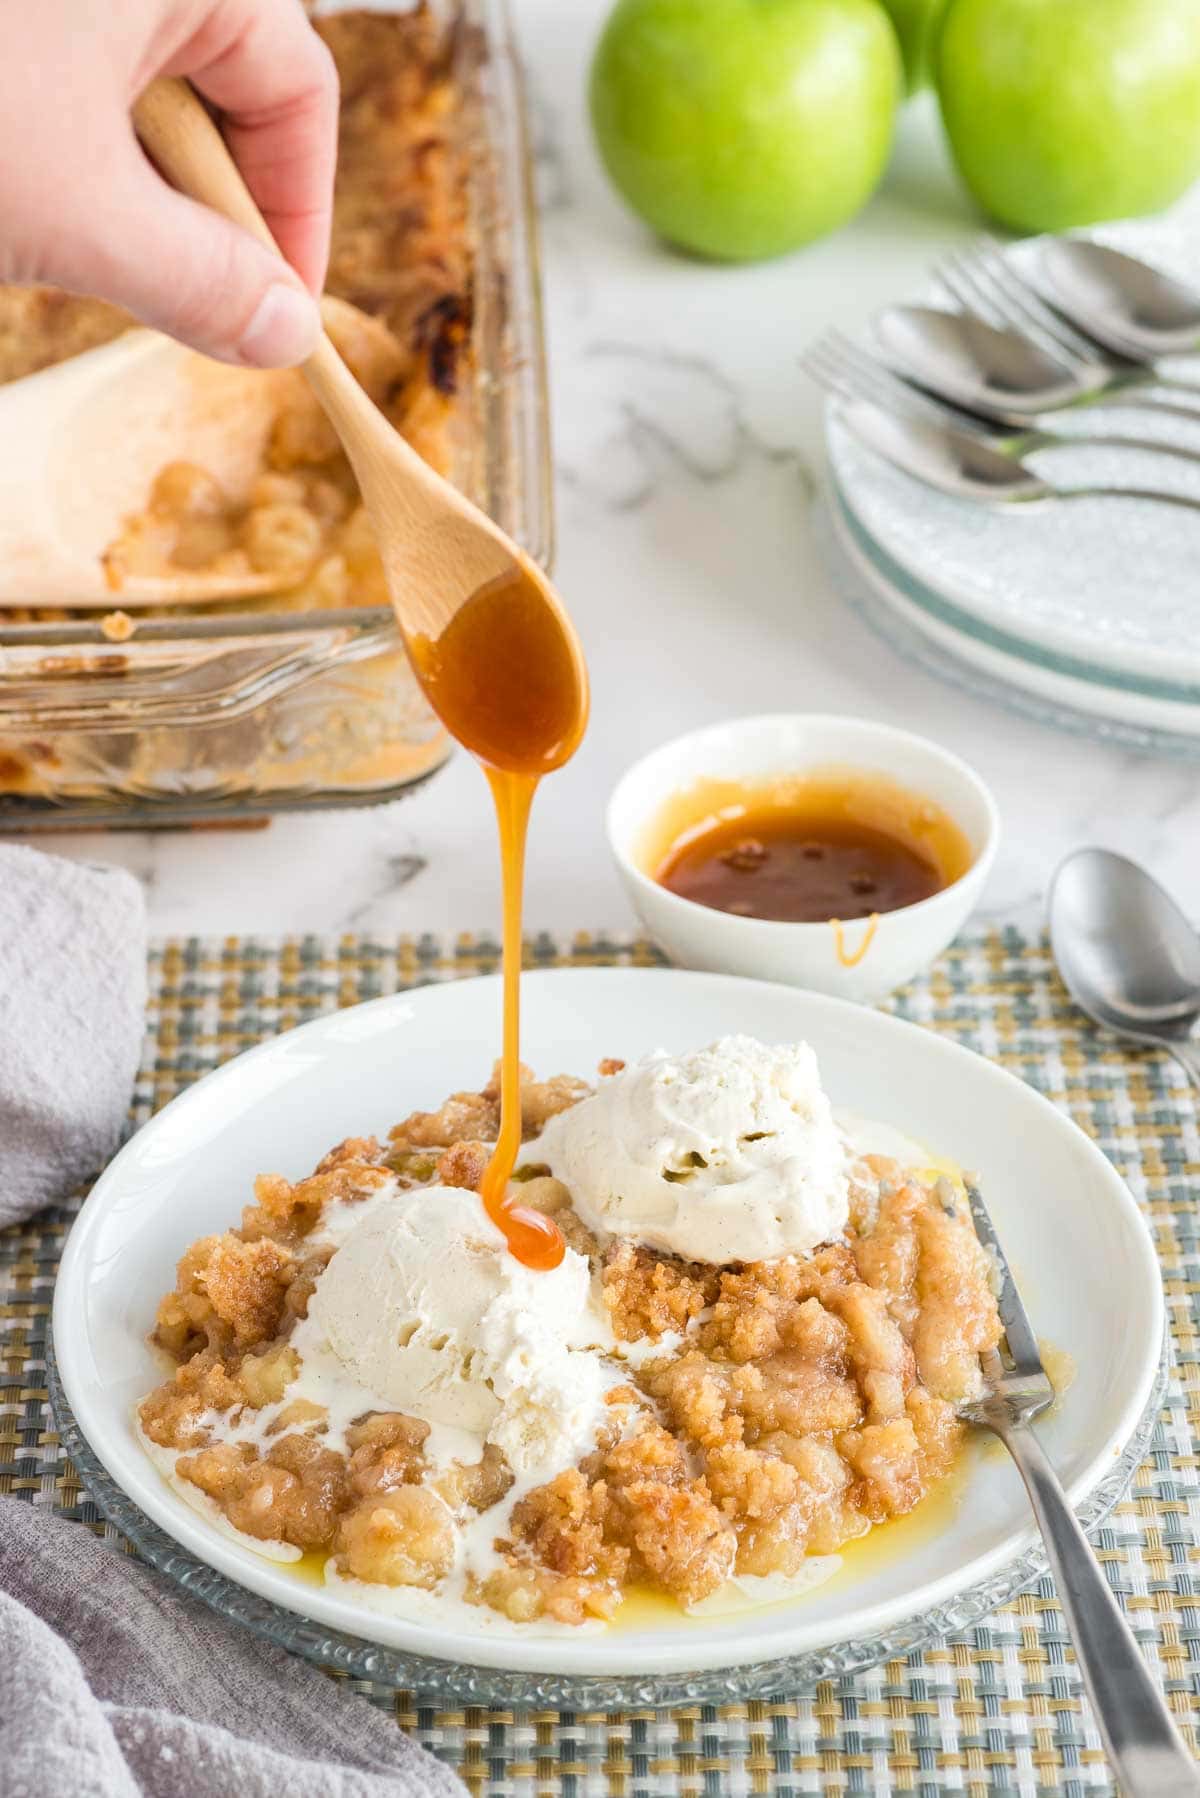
column 697, row 936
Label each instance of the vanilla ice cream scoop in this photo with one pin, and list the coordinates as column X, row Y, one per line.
column 730, row 1153
column 424, row 1306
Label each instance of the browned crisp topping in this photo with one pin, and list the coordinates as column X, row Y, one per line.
column 542, row 1100
column 295, row 1493
column 464, row 1164
column 475, row 1117
column 810, row 1398
column 648, row 1294
column 641, row 1516
column 118, row 627
column 289, row 1212
column 465, row 1117
column 171, row 1415
column 353, row 1152
column 304, row 1279
column 40, row 326
column 399, row 226
column 229, row 1294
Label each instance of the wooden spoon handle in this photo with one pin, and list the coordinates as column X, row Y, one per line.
column 190, row 151
column 437, row 547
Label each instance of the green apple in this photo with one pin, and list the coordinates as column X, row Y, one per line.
column 743, row 128
column 916, row 22
column 1064, row 112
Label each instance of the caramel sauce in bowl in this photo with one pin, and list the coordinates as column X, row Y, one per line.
column 830, row 853
column 806, row 848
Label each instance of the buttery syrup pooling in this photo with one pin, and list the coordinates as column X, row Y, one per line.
column 827, row 846
column 507, row 681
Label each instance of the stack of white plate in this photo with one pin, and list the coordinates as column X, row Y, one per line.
column 1084, row 612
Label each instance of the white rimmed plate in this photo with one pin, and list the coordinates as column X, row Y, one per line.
column 924, row 625
column 1069, row 1224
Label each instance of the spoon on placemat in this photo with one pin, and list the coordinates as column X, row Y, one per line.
column 1125, row 304
column 1127, row 954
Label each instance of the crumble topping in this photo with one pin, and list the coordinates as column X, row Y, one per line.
column 759, row 1414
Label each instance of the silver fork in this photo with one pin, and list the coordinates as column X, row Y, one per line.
column 982, row 279
column 850, row 372
column 1144, row 1747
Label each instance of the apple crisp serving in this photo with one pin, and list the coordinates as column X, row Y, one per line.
column 750, row 1416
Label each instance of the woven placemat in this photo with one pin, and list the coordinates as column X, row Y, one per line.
column 998, row 1710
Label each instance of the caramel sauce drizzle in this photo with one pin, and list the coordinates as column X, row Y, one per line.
column 504, row 680
column 839, row 940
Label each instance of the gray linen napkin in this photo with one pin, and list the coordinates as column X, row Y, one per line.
column 112, row 1685
column 72, row 1015
column 156, row 1697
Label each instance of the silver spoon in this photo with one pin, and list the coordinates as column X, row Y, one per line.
column 1128, row 956
column 964, row 465
column 1129, row 307
column 998, row 373
column 850, row 372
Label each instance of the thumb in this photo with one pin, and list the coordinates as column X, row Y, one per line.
column 183, row 269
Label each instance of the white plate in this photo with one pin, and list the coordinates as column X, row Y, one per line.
column 1070, row 1227
column 924, row 612
column 1101, row 583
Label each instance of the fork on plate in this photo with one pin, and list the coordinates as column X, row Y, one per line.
column 984, row 280
column 1144, row 1747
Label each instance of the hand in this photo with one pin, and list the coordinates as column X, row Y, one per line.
column 82, row 207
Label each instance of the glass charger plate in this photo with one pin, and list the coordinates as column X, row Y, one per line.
column 916, row 623
column 464, row 1684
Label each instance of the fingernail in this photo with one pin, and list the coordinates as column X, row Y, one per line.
column 283, row 330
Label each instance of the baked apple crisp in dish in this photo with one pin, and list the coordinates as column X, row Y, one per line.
column 749, row 1357
column 400, row 262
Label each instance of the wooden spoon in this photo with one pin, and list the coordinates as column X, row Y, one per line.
column 488, row 636
column 91, row 435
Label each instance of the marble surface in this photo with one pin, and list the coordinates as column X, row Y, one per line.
column 688, row 455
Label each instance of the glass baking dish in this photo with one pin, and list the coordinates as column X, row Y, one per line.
column 199, row 719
